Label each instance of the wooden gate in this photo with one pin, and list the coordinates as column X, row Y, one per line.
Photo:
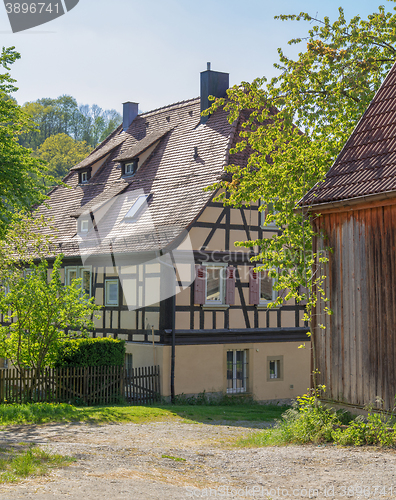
column 142, row 385
column 93, row 385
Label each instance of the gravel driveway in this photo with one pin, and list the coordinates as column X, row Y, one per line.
column 125, row 461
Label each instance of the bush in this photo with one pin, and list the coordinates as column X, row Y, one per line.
column 359, row 432
column 91, row 352
column 311, row 422
column 308, row 421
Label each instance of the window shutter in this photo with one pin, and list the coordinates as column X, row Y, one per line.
column 230, row 285
column 254, row 287
column 199, row 285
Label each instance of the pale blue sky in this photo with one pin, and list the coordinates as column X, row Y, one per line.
column 107, row 52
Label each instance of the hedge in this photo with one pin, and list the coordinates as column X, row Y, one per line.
column 91, row 352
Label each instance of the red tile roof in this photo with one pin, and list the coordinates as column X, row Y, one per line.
column 367, row 163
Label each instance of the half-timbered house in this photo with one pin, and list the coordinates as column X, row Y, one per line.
column 357, row 206
column 136, row 225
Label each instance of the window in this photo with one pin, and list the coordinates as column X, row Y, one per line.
column 214, row 289
column 236, row 371
column 214, row 285
column 274, row 368
column 130, row 168
column 85, row 273
column 129, row 364
column 266, row 284
column 261, row 288
column 111, row 292
column 27, row 272
column 84, row 177
column 263, row 214
column 137, row 207
column 84, row 225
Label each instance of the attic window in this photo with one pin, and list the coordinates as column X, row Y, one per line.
column 84, row 226
column 84, row 176
column 132, row 215
column 130, row 168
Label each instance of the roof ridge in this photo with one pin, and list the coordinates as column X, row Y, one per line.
column 106, row 140
column 170, row 105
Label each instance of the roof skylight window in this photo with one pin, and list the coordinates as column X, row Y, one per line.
column 133, row 213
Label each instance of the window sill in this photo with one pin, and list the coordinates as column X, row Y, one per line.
column 215, row 307
column 264, row 307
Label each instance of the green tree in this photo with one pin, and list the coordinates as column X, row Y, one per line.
column 51, row 116
column 21, row 176
column 295, row 125
column 37, row 311
column 64, row 116
column 61, row 152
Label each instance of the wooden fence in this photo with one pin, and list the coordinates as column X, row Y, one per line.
column 81, row 385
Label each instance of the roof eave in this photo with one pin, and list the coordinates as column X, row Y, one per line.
column 350, row 202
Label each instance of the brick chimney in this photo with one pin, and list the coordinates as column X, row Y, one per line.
column 130, row 112
column 212, row 83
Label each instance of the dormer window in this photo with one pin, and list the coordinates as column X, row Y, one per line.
column 84, row 176
column 129, row 169
column 84, row 225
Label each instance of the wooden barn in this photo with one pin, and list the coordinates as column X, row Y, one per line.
column 136, row 226
column 356, row 353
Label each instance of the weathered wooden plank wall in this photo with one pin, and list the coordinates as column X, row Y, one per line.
column 356, row 353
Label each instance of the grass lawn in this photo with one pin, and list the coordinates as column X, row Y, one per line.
column 232, row 413
column 40, row 413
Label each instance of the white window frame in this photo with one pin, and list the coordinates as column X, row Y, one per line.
column 111, row 281
column 278, row 371
column 234, row 389
column 133, row 168
column 79, row 274
column 264, row 302
column 84, row 225
column 84, row 177
column 222, row 266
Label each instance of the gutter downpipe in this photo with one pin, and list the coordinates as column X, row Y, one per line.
column 173, row 352
column 173, row 366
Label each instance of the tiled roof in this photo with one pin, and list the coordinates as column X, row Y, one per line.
column 172, row 174
column 367, row 163
column 105, row 148
column 141, row 145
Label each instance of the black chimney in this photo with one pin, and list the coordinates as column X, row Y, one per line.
column 212, row 83
column 130, row 112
